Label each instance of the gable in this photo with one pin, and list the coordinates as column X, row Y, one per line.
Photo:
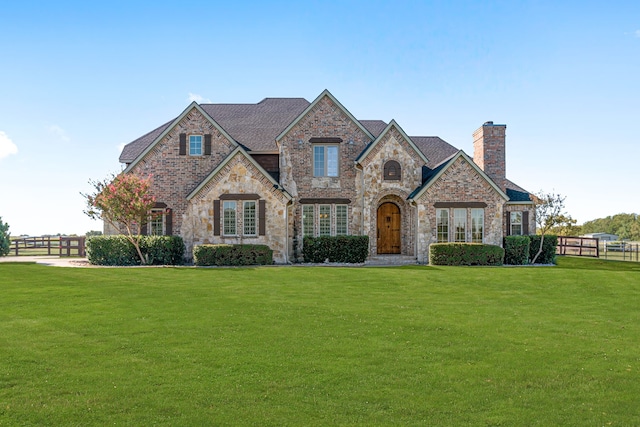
column 240, row 173
column 458, row 179
column 324, row 101
column 392, row 134
column 193, row 114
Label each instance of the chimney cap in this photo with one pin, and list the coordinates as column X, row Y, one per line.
column 489, row 123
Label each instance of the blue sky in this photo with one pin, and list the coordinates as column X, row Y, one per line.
column 80, row 79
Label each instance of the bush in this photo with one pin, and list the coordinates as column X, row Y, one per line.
column 346, row 249
column 465, row 254
column 118, row 250
column 548, row 255
column 5, row 240
column 230, row 255
column 516, row 250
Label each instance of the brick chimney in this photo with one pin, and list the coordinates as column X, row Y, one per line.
column 489, row 152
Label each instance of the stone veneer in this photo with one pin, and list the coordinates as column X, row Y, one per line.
column 238, row 176
column 376, row 191
column 460, row 182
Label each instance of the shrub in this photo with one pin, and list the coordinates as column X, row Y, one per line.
column 347, row 249
column 465, row 254
column 5, row 238
column 548, row 255
column 229, row 255
column 118, row 250
column 516, row 250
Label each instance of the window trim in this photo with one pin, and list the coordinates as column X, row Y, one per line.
column 246, row 224
column 513, row 223
column 326, row 160
column 230, row 222
column 474, row 232
column 200, row 145
column 442, row 229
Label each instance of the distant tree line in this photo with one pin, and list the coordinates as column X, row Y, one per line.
column 625, row 226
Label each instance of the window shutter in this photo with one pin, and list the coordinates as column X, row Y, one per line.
column 507, row 217
column 216, row 217
column 261, row 218
column 525, row 223
column 207, row 144
column 183, row 144
column 143, row 228
column 168, row 222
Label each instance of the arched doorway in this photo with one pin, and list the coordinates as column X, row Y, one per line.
column 389, row 225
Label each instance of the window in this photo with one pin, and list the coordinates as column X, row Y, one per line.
column 392, row 171
column 156, row 222
column 341, row 220
column 249, row 218
column 516, row 223
column 459, row 225
column 477, row 225
column 307, row 220
column 325, row 160
column 324, row 223
column 442, row 225
column 195, row 145
column 229, row 218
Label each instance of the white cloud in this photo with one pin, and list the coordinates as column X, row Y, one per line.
column 59, row 132
column 7, row 147
column 198, row 98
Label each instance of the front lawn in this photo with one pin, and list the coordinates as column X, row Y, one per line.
column 278, row 346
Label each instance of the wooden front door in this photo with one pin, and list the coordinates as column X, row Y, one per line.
column 389, row 221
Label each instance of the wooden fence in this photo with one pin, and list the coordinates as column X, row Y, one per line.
column 579, row 246
column 49, row 245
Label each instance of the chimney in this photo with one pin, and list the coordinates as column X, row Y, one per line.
column 489, row 152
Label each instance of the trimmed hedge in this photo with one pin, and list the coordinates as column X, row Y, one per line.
column 548, row 255
column 465, row 254
column 117, row 250
column 346, row 249
column 516, row 250
column 230, row 255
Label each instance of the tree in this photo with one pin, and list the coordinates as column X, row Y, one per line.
column 5, row 241
column 566, row 227
column 123, row 201
column 549, row 213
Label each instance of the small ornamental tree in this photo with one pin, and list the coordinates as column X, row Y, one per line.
column 5, row 241
column 549, row 213
column 123, row 201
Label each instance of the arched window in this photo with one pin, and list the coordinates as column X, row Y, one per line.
column 392, row 171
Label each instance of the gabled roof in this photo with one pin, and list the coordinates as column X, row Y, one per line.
column 256, row 126
column 174, row 123
column 435, row 149
column 238, row 151
column 134, row 148
column 440, row 169
column 391, row 125
column 325, row 93
column 517, row 194
column 374, row 126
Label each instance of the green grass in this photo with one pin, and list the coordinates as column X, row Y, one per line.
column 281, row 346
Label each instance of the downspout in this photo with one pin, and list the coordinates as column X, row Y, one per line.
column 417, row 232
column 286, row 226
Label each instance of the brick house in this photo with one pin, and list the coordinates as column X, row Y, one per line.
column 284, row 168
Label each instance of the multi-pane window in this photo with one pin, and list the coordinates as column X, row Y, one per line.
column 516, row 223
column 229, row 218
column 249, row 218
column 477, row 225
column 156, row 222
column 324, row 220
column 195, row 145
column 459, row 225
column 325, row 160
column 442, row 225
column 307, row 220
column 341, row 220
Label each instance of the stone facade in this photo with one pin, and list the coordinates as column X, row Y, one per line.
column 377, row 166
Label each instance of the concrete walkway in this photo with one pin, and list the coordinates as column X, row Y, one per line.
column 52, row 260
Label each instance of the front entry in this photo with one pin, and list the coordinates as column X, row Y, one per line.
column 389, row 223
